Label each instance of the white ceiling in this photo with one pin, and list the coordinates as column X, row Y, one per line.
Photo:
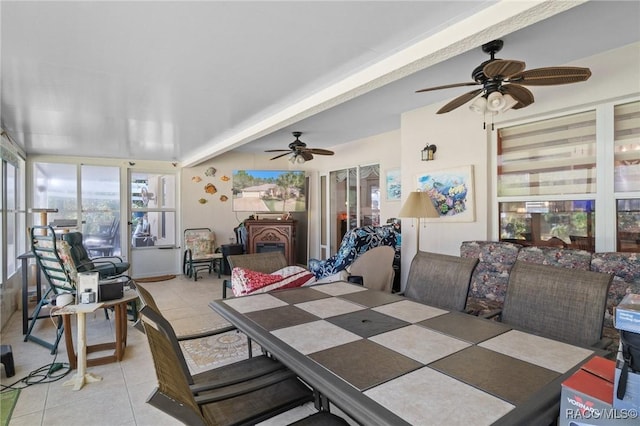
column 186, row 81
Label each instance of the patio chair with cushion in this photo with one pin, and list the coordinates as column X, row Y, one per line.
column 105, row 266
column 200, row 252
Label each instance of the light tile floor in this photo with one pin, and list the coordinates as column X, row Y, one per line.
column 119, row 399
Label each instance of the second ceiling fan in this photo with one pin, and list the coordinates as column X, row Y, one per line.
column 298, row 151
column 503, row 82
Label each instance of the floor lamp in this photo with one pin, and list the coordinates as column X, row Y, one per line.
column 418, row 205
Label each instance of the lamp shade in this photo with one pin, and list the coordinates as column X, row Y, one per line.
column 495, row 101
column 418, row 205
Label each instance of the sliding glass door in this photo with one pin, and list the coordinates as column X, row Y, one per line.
column 354, row 200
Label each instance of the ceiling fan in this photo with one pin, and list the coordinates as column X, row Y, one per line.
column 502, row 82
column 298, row 151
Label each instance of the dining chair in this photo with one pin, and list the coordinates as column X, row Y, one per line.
column 232, row 404
column 559, row 303
column 440, row 280
column 246, row 371
column 374, row 269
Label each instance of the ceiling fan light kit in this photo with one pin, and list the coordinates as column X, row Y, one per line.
column 503, row 82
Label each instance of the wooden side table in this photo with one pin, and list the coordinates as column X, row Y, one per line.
column 120, row 312
column 82, row 376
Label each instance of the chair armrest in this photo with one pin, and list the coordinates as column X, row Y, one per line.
column 94, row 263
column 93, row 259
column 208, row 333
column 244, row 387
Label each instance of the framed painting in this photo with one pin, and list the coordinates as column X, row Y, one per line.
column 451, row 191
column 393, row 184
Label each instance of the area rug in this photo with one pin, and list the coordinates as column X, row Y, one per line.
column 155, row 279
column 8, row 401
column 210, row 352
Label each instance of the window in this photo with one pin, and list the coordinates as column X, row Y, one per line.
column 537, row 222
column 12, row 209
column 627, row 175
column 549, row 178
column 153, row 209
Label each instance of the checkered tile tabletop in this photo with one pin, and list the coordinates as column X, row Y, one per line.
column 421, row 363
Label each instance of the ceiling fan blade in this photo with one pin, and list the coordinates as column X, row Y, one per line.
column 306, row 155
column 519, row 93
column 277, row 150
column 460, row 100
column 551, row 75
column 448, row 86
column 281, row 155
column 503, row 68
column 319, row 151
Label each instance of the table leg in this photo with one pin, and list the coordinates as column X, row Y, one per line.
column 81, row 377
column 119, row 331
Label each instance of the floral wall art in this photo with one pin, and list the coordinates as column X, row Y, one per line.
column 451, row 191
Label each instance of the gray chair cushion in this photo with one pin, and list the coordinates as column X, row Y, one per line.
column 560, row 303
column 440, row 280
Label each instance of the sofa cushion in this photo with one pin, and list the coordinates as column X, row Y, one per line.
column 625, row 268
column 556, row 256
column 491, row 275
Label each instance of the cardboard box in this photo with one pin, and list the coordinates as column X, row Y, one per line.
column 587, row 397
column 627, row 315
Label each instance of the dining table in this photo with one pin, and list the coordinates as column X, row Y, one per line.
column 385, row 359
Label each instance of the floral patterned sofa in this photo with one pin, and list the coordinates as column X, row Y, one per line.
column 496, row 258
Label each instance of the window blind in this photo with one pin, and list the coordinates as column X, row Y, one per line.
column 550, row 157
column 627, row 147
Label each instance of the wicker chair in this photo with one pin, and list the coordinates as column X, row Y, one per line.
column 227, row 405
column 440, row 280
column 267, row 263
